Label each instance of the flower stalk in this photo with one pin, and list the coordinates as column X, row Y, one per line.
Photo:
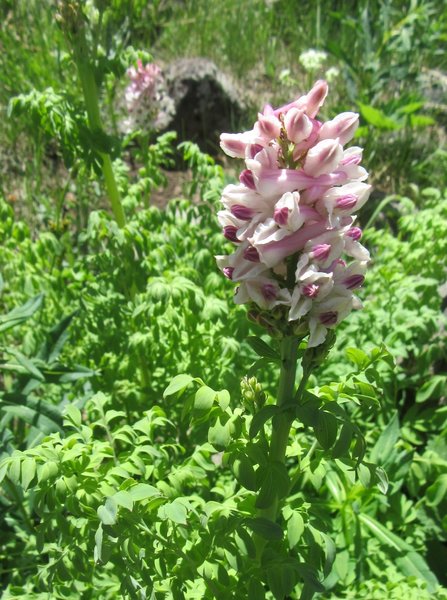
column 286, row 397
column 72, row 22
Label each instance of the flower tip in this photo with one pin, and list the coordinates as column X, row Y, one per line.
column 316, row 97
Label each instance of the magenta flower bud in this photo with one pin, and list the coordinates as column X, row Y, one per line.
column 355, row 233
column 346, row 202
column 281, row 215
column 246, row 177
column 230, row 232
column 321, row 251
column 269, row 291
column 228, row 272
column 342, row 127
column 328, row 318
column 323, row 158
column 298, row 125
column 242, row 212
column 251, row 254
column 354, row 281
column 311, row 290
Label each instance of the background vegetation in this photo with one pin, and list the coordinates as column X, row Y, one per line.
column 96, row 457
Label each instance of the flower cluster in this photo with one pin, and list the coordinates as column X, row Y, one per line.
column 147, row 102
column 291, row 216
column 312, row 60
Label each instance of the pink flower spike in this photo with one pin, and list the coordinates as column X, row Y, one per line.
column 323, row 158
column 343, row 127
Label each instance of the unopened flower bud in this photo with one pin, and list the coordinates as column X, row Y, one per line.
column 354, row 281
column 233, row 144
column 267, row 127
column 246, row 178
column 311, row 290
column 281, row 215
column 316, row 97
column 346, row 202
column 298, row 125
column 301, row 329
column 241, row 212
column 230, row 232
column 323, row 158
column 342, row 127
column 328, row 318
column 269, row 291
column 251, row 254
column 321, row 252
column 355, row 233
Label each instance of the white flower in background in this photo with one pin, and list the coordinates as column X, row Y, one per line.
column 312, row 60
column 332, row 74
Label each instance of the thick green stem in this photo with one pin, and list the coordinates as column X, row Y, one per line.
column 283, row 422
column 90, row 91
column 83, row 59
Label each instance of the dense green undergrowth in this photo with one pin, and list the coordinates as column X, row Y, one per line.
column 137, row 400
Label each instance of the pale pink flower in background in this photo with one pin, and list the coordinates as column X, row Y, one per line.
column 146, row 99
column 292, row 217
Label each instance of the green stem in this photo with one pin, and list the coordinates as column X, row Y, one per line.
column 283, row 422
column 90, row 91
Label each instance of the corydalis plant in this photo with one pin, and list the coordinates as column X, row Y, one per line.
column 147, row 102
column 291, row 217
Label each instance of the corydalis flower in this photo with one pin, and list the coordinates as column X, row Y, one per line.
column 147, row 102
column 292, row 218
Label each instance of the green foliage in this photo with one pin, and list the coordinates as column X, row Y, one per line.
column 134, row 462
